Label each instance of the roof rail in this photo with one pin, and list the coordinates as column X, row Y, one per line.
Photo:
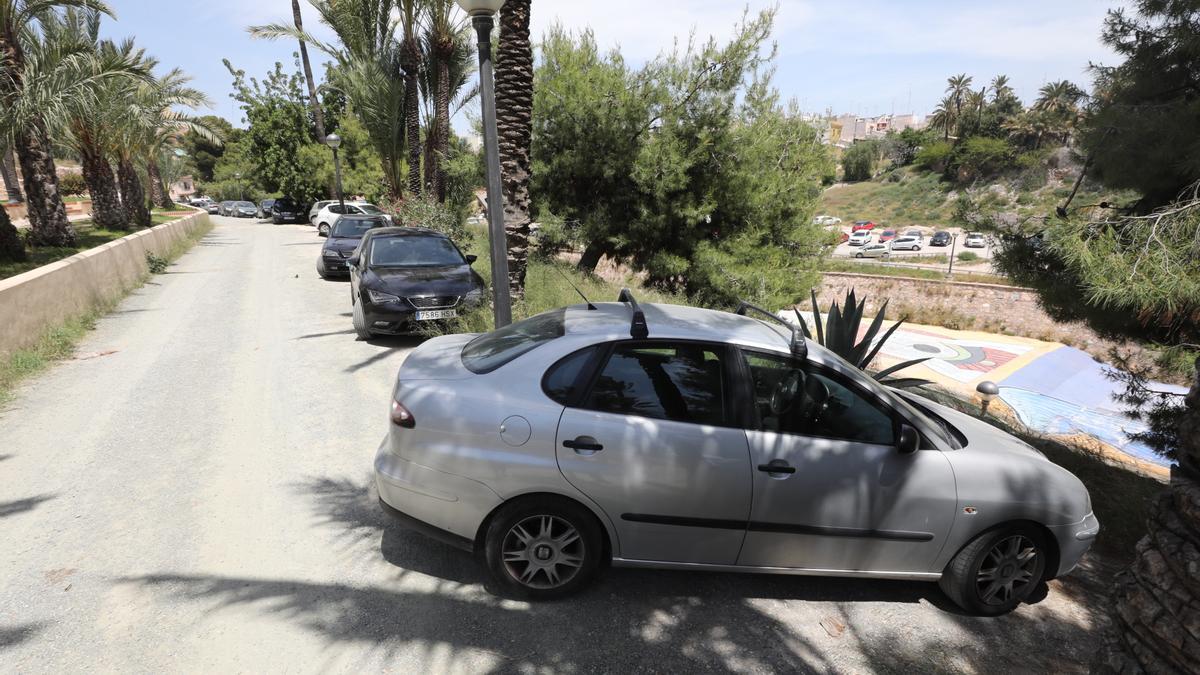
column 637, row 328
column 797, row 344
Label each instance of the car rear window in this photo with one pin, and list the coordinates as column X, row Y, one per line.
column 492, row 350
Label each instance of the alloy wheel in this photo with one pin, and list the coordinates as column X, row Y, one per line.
column 1009, row 569
column 543, row 552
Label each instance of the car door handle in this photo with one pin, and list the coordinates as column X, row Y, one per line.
column 584, row 445
column 781, row 467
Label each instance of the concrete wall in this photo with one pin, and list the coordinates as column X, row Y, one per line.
column 32, row 302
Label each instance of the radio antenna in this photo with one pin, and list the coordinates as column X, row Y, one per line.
column 570, row 283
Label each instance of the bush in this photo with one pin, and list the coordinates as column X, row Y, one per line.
column 156, row 264
column 968, row 256
column 426, row 212
column 858, row 162
column 553, row 235
column 935, row 156
column 980, row 156
column 72, row 184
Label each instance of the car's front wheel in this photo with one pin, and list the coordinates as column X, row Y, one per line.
column 997, row 571
column 543, row 548
column 359, row 319
column 859, row 255
column 323, row 228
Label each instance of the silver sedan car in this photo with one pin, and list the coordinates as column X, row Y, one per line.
column 680, row 438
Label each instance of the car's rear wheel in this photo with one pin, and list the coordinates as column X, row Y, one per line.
column 997, row 571
column 360, row 322
column 543, row 548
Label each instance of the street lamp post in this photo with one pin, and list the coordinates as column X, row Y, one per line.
column 482, row 13
column 334, row 142
column 241, row 195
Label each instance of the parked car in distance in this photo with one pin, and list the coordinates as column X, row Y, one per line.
column 887, row 235
column 862, row 225
column 213, row 208
column 225, row 209
column 975, row 240
column 243, row 210
column 329, row 215
column 940, row 238
column 877, row 250
column 916, row 234
column 401, row 277
column 286, row 210
column 342, row 242
column 859, row 238
column 906, row 243
column 555, row 446
column 264, row 209
column 826, row 220
column 316, row 208
column 843, row 237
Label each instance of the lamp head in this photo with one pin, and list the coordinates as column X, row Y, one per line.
column 334, row 141
column 474, row 7
column 988, row 390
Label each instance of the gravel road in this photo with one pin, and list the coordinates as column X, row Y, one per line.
column 191, row 494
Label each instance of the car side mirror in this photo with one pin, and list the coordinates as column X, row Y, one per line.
column 471, row 258
column 910, row 440
column 352, row 261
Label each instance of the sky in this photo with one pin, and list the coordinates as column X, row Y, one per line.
column 868, row 57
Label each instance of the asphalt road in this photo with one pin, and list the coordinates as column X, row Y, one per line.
column 191, row 494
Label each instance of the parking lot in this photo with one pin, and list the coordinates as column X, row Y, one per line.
column 846, row 250
column 191, row 493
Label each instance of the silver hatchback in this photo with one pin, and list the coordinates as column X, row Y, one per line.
column 680, row 438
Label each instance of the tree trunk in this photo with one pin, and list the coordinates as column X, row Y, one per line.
column 590, row 258
column 317, row 113
column 1157, row 600
column 514, row 121
column 11, row 247
column 133, row 195
column 159, row 194
column 107, row 211
column 442, row 127
column 412, row 113
column 8, row 172
column 47, row 214
column 430, row 162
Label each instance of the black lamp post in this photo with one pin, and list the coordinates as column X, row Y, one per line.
column 334, row 142
column 482, row 13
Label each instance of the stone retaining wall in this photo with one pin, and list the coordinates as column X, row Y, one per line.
column 32, row 302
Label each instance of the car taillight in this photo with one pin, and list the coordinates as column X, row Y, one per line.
column 401, row 417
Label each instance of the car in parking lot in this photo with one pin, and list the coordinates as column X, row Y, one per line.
column 906, row 243
column 940, row 238
column 887, row 235
column 403, row 277
column 316, row 208
column 243, row 210
column 212, row 208
column 286, row 210
column 916, row 234
column 975, row 240
column 224, row 207
column 862, row 225
column 264, row 209
column 329, row 215
column 876, row 250
column 826, row 220
column 342, row 242
column 670, row 437
column 860, row 238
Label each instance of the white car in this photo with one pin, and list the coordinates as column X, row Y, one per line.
column 975, row 240
column 860, row 238
column 876, row 250
column 826, row 220
column 906, row 243
column 316, row 208
column 328, row 216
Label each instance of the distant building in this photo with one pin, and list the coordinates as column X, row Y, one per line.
column 183, row 188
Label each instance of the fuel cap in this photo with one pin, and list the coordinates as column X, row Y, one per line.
column 515, row 430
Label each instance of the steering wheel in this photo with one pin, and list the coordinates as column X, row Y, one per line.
column 785, row 393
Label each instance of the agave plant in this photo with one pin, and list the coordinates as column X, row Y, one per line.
column 840, row 336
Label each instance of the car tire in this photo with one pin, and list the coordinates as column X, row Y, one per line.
column 321, row 268
column 323, row 228
column 859, row 255
column 360, row 323
column 567, row 533
column 997, row 571
column 916, row 248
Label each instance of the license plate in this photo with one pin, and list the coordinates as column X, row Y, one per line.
column 431, row 314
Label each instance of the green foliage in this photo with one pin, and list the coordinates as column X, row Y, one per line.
column 427, row 212
column 840, row 331
column 902, row 148
column 980, row 157
column 689, row 167
column 968, row 256
column 552, row 236
column 1142, row 131
column 157, row 264
column 72, row 184
column 202, row 152
column 935, row 156
column 858, row 162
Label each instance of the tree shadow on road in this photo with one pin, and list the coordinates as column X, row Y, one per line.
column 11, row 636
column 22, row 505
column 392, row 345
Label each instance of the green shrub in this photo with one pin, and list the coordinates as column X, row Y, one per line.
column 553, row 236
column 72, row 184
column 157, row 265
column 858, row 162
column 934, row 156
column 980, row 156
column 968, row 256
column 425, row 212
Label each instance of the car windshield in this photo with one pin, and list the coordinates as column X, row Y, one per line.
column 244, row 205
column 414, row 251
column 369, row 209
column 492, row 350
column 356, row 227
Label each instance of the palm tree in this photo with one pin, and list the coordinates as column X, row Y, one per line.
column 411, row 12
column 461, row 68
column 162, row 125
column 443, row 28
column 943, row 117
column 26, row 97
column 1001, row 89
column 8, row 173
column 514, row 121
column 958, row 87
column 317, row 112
column 1059, row 102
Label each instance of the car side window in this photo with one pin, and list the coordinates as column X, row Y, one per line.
column 796, row 398
column 679, row 382
column 562, row 382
